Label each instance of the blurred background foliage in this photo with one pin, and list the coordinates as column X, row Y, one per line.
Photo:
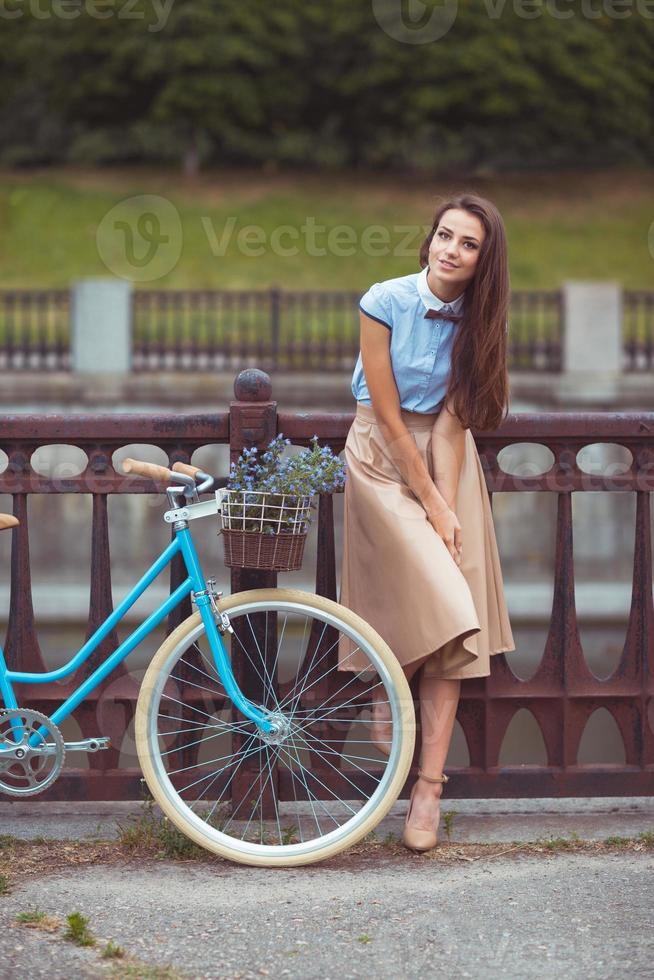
column 320, row 86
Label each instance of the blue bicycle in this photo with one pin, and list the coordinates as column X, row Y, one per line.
column 286, row 777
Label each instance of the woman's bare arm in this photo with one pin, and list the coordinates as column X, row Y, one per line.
column 448, row 451
column 377, row 366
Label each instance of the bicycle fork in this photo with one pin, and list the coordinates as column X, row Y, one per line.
column 204, row 596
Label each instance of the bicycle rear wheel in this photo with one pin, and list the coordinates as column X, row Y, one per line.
column 316, row 786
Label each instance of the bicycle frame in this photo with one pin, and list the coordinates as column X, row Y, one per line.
column 195, row 584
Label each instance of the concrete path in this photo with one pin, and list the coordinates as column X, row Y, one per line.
column 480, row 821
column 564, row 914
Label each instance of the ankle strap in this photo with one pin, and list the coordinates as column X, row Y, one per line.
column 432, row 779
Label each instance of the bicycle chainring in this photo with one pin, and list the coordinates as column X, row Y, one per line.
column 32, row 752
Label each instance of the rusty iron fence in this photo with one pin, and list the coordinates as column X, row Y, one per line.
column 638, row 330
column 209, row 330
column 195, row 330
column 34, row 330
column 536, row 325
column 277, row 330
column 562, row 694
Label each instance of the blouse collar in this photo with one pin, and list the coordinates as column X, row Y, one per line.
column 431, row 301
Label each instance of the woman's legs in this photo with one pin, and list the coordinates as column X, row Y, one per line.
column 439, row 699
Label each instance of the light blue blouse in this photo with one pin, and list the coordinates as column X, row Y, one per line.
column 420, row 349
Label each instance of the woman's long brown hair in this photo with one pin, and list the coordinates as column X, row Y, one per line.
column 479, row 379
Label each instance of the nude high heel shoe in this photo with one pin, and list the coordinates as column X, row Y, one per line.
column 422, row 840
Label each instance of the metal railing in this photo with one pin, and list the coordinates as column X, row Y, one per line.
column 638, row 330
column 536, row 325
column 34, row 330
column 209, row 330
column 225, row 330
column 562, row 694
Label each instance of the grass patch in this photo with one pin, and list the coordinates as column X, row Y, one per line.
column 36, row 919
column 290, row 835
column 364, row 939
column 448, row 822
column 4, row 885
column 151, row 832
column 557, row 843
column 134, row 969
column 572, row 225
column 78, row 931
column 112, row 952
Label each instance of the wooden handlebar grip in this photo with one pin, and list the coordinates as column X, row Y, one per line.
column 186, row 469
column 151, row 471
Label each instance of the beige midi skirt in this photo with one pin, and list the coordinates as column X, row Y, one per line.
column 397, row 572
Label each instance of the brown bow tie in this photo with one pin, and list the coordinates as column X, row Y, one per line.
column 443, row 314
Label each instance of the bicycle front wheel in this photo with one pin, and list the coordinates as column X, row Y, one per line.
column 315, row 786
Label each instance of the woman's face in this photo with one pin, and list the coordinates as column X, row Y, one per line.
column 454, row 251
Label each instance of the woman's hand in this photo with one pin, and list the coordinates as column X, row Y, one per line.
column 446, row 524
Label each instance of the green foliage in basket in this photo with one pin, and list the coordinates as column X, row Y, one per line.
column 311, row 471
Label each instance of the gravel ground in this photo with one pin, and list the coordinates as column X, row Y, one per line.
column 572, row 915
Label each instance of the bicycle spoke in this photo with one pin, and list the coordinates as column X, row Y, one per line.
column 311, row 666
column 309, row 792
column 257, row 802
column 265, row 679
column 200, row 687
column 337, row 707
column 233, row 776
column 307, row 674
column 252, row 751
column 225, row 728
column 183, row 704
column 336, row 769
column 213, row 677
column 324, row 786
column 188, row 745
column 340, row 755
column 198, row 765
column 274, row 794
column 317, row 681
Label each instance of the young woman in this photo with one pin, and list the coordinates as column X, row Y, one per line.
column 420, row 558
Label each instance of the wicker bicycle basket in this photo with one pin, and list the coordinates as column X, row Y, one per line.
column 264, row 530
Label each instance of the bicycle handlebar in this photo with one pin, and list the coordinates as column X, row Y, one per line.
column 181, row 473
column 188, row 470
column 151, row 471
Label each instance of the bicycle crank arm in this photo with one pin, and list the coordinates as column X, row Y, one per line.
column 89, row 745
